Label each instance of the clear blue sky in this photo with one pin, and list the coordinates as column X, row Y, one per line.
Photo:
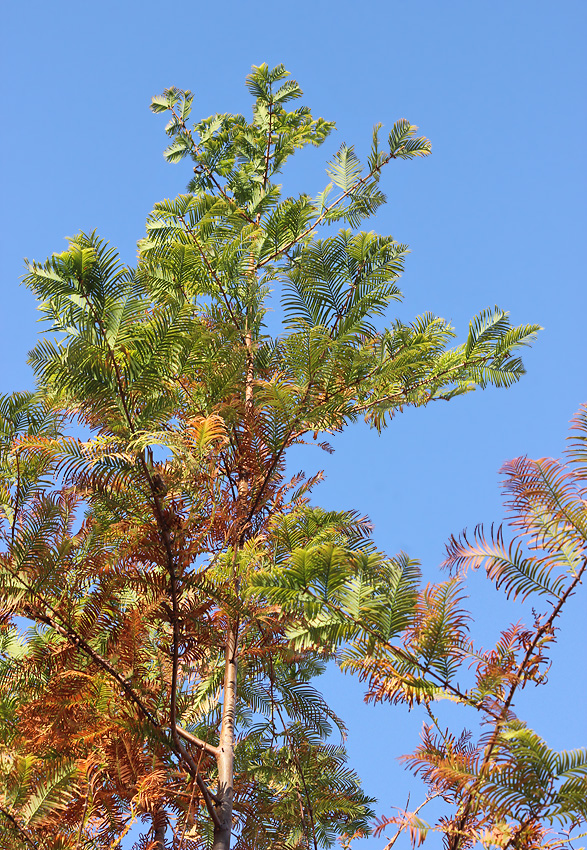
column 496, row 215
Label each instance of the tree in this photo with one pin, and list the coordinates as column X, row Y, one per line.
column 160, row 677
column 410, row 644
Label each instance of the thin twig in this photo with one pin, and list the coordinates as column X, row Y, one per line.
column 402, row 828
column 197, row 151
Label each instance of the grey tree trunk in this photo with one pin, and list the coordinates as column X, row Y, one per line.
column 225, row 758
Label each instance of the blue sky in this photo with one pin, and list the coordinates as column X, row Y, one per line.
column 495, row 216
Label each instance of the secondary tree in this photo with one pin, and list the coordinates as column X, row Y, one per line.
column 160, row 678
column 504, row 787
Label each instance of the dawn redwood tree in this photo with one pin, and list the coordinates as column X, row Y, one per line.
column 510, row 788
column 504, row 788
column 160, row 678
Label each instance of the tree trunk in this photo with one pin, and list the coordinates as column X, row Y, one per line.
column 159, row 828
column 225, row 759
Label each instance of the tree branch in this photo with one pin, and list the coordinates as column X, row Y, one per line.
column 197, row 742
column 21, row 831
column 473, row 799
column 321, row 217
column 208, row 171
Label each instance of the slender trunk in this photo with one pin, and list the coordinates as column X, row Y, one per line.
column 159, row 828
column 225, row 757
column 250, row 371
